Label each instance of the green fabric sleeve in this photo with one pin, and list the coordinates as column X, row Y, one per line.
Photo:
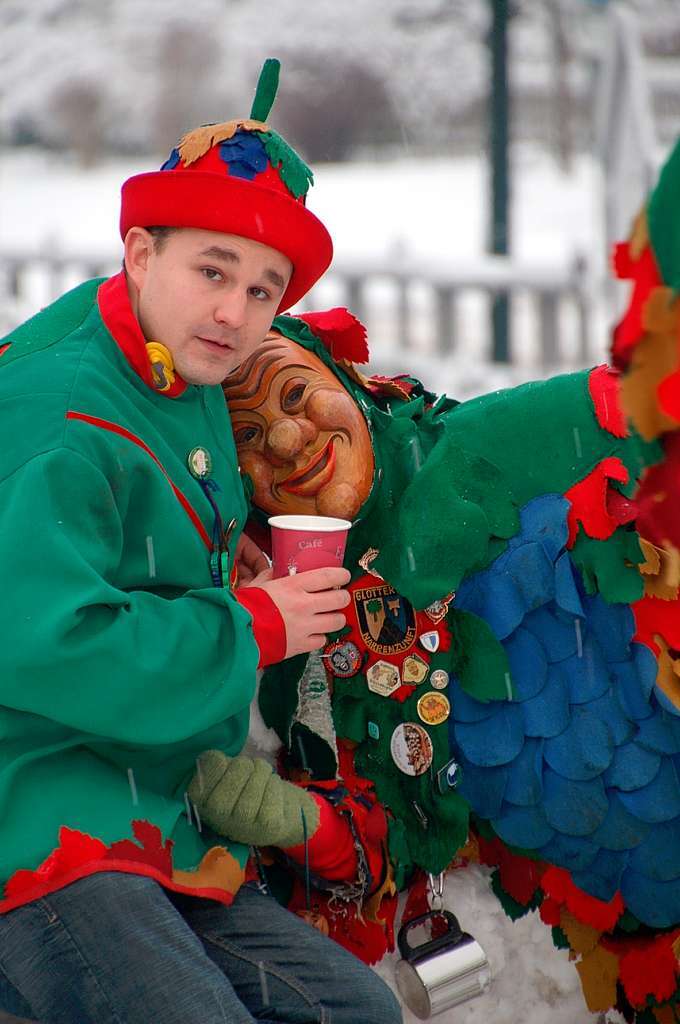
column 126, row 664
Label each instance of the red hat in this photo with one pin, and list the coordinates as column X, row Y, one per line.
column 242, row 178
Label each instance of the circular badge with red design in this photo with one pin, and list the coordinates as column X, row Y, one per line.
column 343, row 658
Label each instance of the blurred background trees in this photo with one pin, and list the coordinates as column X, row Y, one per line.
column 398, row 75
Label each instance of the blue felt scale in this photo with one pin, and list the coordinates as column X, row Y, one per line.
column 581, row 765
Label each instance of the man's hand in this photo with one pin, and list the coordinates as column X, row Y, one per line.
column 250, row 561
column 310, row 605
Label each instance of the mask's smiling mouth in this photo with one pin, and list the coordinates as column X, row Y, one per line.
column 309, row 480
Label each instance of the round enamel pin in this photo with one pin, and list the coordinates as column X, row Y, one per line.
column 414, row 669
column 411, row 748
column 439, row 679
column 383, row 678
column 433, row 708
column 199, row 461
column 344, row 658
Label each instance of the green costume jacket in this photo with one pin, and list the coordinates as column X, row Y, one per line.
column 120, row 661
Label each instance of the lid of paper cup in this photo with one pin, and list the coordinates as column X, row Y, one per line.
column 319, row 524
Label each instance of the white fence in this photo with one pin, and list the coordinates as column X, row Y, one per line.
column 409, row 306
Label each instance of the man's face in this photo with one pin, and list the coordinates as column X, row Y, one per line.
column 208, row 297
column 299, row 435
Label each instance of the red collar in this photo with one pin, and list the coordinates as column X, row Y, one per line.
column 123, row 326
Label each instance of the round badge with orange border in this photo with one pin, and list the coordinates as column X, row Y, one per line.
column 433, row 708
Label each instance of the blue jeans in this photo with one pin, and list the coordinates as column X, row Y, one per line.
column 119, row 949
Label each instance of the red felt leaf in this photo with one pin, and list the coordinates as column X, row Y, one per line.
column 619, row 507
column 650, row 969
column 668, row 394
column 550, row 912
column 75, row 848
column 520, row 877
column 655, row 615
column 152, row 850
column 376, row 825
column 645, row 275
column 604, row 384
column 558, row 885
column 657, row 497
column 377, row 384
column 366, row 939
column 341, row 332
column 622, row 262
column 588, row 500
column 402, row 693
column 417, row 901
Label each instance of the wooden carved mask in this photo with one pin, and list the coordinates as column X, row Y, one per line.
column 300, row 436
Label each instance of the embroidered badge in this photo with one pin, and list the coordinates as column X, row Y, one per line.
column 387, row 622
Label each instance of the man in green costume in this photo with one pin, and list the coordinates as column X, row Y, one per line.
column 133, row 633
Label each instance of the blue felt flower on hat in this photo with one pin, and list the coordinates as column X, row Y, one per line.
column 244, row 154
column 581, row 765
column 172, row 161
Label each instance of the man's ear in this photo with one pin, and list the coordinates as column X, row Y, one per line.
column 138, row 250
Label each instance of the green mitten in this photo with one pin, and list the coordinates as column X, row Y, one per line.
column 243, row 799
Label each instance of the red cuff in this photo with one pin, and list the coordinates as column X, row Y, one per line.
column 269, row 628
column 331, row 848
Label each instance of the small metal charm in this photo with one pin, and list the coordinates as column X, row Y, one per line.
column 439, row 679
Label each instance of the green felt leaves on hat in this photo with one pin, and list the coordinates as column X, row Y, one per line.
column 265, row 93
column 295, row 173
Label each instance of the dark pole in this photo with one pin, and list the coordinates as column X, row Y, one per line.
column 499, row 117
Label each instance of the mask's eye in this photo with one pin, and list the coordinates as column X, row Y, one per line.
column 246, row 434
column 292, row 394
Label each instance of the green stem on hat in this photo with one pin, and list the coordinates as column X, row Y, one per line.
column 265, row 94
